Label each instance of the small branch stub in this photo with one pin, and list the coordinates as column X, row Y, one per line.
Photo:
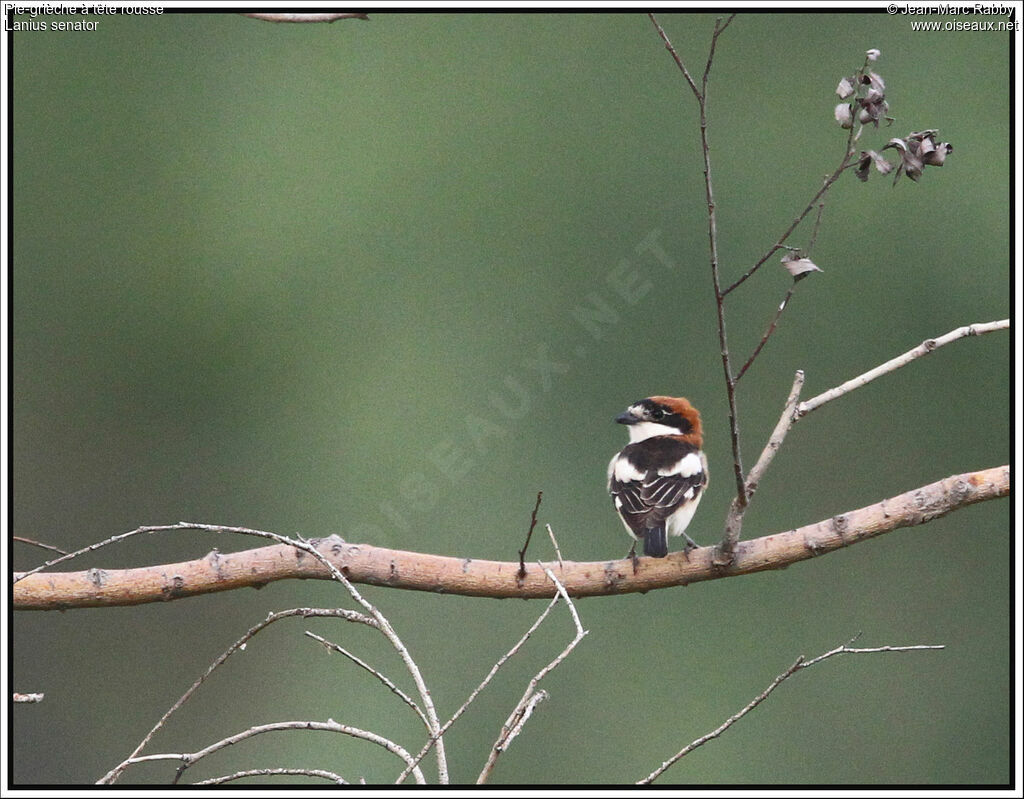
column 529, row 535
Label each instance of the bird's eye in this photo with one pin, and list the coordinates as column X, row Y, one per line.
column 657, row 414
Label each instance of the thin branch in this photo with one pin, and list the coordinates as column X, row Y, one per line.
column 433, row 723
column 529, row 535
column 99, row 580
column 801, row 663
column 490, row 675
column 419, row 571
column 21, row 539
column 769, row 331
column 532, row 697
column 785, row 301
column 330, row 776
column 329, row 646
column 97, row 576
column 817, row 226
column 554, row 543
column 780, row 244
column 114, row 539
column 789, row 295
column 924, row 348
column 675, row 56
column 427, row 702
column 849, row 160
column 522, row 716
column 189, row 759
column 778, row 435
column 719, row 30
column 848, row 650
column 734, row 518
column 239, row 645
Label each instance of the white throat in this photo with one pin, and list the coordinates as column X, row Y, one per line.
column 644, row 430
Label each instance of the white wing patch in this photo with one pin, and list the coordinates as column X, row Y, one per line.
column 625, row 471
column 685, row 467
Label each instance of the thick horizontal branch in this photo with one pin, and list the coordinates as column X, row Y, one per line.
column 306, row 17
column 361, row 563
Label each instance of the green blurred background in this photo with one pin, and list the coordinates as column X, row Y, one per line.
column 264, row 274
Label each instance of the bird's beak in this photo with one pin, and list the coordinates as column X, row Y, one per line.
column 627, row 418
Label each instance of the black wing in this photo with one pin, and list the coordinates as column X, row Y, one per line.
column 646, row 499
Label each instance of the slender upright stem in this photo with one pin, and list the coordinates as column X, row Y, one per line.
column 768, row 332
column 730, row 381
column 675, row 56
column 701, row 93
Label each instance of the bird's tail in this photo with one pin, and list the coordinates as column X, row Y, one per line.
column 655, row 542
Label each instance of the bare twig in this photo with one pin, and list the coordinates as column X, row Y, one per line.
column 801, row 663
column 92, row 547
column 522, row 717
column 780, row 244
column 239, row 645
column 719, row 30
column 778, row 435
column 329, row 646
column 490, row 675
column 426, row 701
column 306, row 17
column 924, row 348
column 554, row 543
column 21, row 539
column 734, row 519
column 675, row 56
column 98, row 579
column 529, row 534
column 785, row 300
column 189, row 759
column 330, row 776
column 531, row 697
column 848, row 161
column 769, row 331
column 817, row 227
column 97, row 575
column 846, row 649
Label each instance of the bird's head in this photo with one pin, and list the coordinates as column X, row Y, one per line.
column 662, row 416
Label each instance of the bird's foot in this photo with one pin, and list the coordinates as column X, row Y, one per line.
column 632, row 556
